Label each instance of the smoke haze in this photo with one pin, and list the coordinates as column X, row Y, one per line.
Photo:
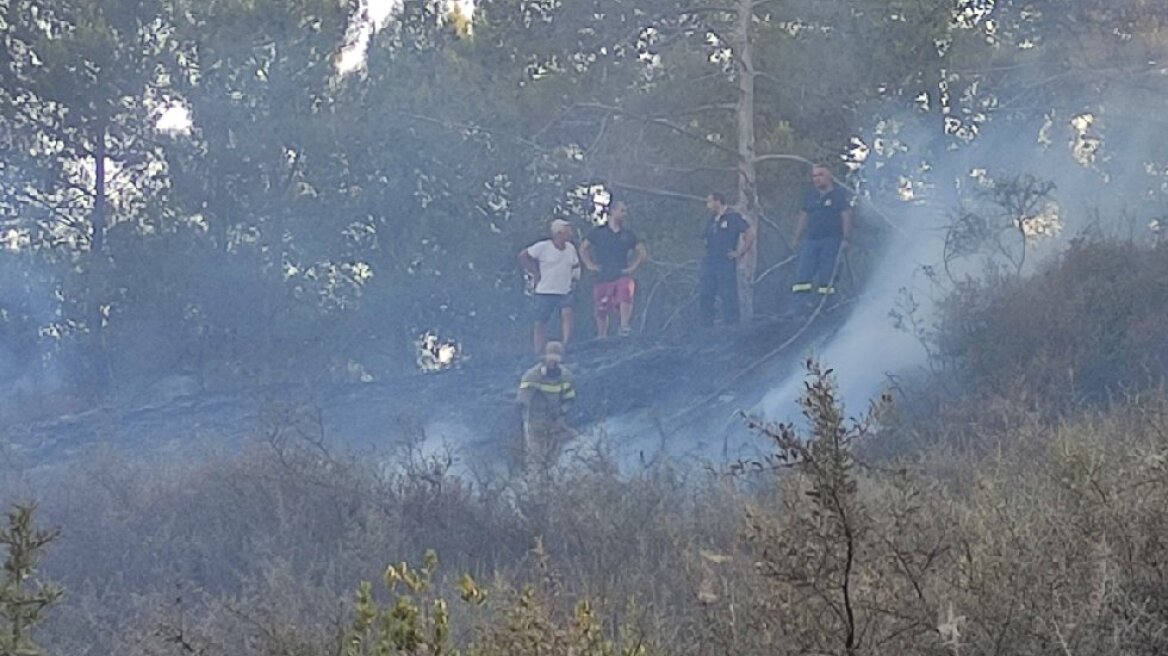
column 1103, row 185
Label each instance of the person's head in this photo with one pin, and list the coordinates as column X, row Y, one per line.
column 821, row 177
column 553, row 354
column 618, row 213
column 717, row 202
column 561, row 231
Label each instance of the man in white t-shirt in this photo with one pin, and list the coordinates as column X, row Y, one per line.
column 556, row 267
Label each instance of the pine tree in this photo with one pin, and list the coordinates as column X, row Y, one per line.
column 23, row 599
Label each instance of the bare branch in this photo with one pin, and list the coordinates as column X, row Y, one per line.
column 453, row 125
column 783, row 157
column 702, row 78
column 715, row 107
column 596, row 142
column 763, row 218
column 666, row 193
column 686, row 170
column 697, row 11
column 775, row 267
column 562, row 113
column 670, row 269
column 662, row 122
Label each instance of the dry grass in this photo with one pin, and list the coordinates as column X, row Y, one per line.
column 1053, row 543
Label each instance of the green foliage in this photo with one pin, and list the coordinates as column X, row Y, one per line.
column 23, row 599
column 416, row 621
column 315, row 224
column 529, row 628
column 406, row 626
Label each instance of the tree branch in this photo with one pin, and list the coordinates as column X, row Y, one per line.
column 697, row 11
column 689, row 170
column 562, row 113
column 702, row 78
column 700, row 109
column 453, row 125
column 763, row 218
column 662, row 122
column 595, row 144
column 665, row 193
column 774, row 267
column 783, row 157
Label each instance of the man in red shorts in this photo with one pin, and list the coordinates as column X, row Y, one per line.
column 614, row 252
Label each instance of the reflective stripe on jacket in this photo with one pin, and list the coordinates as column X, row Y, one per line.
column 563, row 388
column 544, row 395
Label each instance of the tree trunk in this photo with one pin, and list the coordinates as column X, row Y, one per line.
column 747, row 171
column 99, row 218
column 98, row 267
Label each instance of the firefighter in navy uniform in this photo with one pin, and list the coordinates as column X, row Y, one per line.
column 728, row 238
column 545, row 396
column 822, row 231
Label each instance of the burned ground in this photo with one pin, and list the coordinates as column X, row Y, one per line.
column 674, row 389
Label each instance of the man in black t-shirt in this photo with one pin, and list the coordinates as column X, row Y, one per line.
column 614, row 253
column 728, row 237
column 822, row 231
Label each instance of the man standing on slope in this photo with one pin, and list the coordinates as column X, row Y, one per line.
column 728, row 237
column 822, row 231
column 555, row 266
column 613, row 251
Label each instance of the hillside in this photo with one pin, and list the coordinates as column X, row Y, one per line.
column 973, row 514
column 671, row 398
column 232, row 232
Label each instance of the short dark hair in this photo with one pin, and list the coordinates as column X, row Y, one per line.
column 720, row 197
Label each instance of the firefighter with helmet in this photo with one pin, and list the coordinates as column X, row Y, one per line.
column 545, row 396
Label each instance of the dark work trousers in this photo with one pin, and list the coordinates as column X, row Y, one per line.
column 815, row 270
column 719, row 280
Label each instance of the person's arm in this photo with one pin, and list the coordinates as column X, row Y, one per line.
column 800, row 226
column 529, row 264
column 639, row 257
column 523, row 397
column 567, row 391
column 847, row 224
column 525, row 392
column 586, row 255
column 745, row 240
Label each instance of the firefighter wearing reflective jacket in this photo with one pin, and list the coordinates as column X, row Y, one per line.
column 545, row 396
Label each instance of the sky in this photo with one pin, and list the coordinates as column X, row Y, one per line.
column 372, row 16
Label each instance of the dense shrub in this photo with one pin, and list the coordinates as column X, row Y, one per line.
column 1090, row 325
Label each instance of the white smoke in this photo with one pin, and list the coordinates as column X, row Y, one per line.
column 871, row 346
column 1112, row 192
